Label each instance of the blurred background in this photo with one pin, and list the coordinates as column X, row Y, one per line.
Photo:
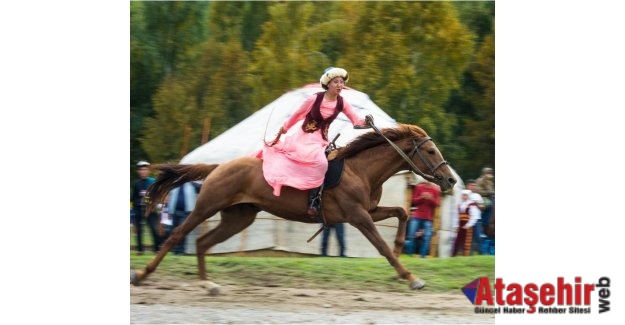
column 199, row 68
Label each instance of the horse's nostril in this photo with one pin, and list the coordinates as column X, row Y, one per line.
column 452, row 180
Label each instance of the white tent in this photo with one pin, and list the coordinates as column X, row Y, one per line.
column 270, row 232
column 246, row 137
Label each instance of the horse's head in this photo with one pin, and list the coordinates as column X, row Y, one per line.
column 419, row 152
column 428, row 160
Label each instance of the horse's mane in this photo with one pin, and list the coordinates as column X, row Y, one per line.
column 372, row 139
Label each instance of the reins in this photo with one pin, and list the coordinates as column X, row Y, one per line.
column 267, row 127
column 415, row 169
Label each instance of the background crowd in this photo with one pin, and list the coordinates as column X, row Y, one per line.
column 176, row 207
column 472, row 217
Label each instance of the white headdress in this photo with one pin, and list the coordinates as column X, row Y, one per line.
column 331, row 73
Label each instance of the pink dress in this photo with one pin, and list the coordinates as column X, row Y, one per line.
column 299, row 160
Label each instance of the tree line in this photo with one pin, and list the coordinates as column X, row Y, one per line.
column 198, row 68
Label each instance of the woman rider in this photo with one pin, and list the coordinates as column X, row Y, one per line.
column 300, row 161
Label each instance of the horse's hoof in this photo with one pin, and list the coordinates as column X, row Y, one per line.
column 212, row 287
column 417, row 284
column 134, row 279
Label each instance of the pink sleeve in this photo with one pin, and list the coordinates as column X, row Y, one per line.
column 300, row 114
column 348, row 110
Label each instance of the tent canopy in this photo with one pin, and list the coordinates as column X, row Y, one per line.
column 246, row 137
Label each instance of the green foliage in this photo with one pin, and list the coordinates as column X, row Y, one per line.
column 475, row 102
column 478, row 16
column 408, row 57
column 175, row 111
column 145, row 71
column 424, row 63
column 287, row 55
column 219, row 86
column 240, row 21
column 211, row 88
column 163, row 37
column 174, row 29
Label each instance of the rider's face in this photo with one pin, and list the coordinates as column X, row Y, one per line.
column 336, row 85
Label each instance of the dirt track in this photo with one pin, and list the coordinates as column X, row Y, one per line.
column 165, row 300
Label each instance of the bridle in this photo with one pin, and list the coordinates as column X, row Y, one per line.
column 415, row 150
column 432, row 177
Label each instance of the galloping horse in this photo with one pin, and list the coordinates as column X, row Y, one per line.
column 238, row 189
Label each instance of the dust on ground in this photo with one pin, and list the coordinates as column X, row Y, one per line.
column 162, row 299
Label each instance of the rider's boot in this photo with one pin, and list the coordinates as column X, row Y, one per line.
column 313, row 202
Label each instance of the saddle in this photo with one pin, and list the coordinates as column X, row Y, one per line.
column 333, row 174
column 331, row 179
column 335, row 167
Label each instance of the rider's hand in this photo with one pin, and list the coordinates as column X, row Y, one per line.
column 280, row 133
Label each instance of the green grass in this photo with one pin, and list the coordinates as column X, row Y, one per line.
column 441, row 274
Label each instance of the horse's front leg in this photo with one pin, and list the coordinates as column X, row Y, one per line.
column 382, row 213
column 363, row 222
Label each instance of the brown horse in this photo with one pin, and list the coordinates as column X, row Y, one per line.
column 238, row 189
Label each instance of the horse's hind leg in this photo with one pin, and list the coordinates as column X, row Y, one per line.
column 381, row 213
column 233, row 220
column 364, row 223
column 193, row 220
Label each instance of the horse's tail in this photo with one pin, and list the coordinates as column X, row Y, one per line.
column 171, row 176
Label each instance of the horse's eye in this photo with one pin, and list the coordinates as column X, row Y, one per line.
column 431, row 151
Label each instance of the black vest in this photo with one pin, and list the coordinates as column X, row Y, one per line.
column 314, row 121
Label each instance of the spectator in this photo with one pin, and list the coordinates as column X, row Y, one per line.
column 485, row 186
column 490, row 231
column 181, row 203
column 167, row 221
column 478, row 230
column 477, row 198
column 132, row 215
column 464, row 218
column 138, row 204
column 425, row 198
column 419, row 240
column 339, row 231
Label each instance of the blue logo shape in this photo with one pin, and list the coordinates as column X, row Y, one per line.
column 470, row 290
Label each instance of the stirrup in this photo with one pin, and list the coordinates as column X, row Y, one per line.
column 313, row 202
column 313, row 208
